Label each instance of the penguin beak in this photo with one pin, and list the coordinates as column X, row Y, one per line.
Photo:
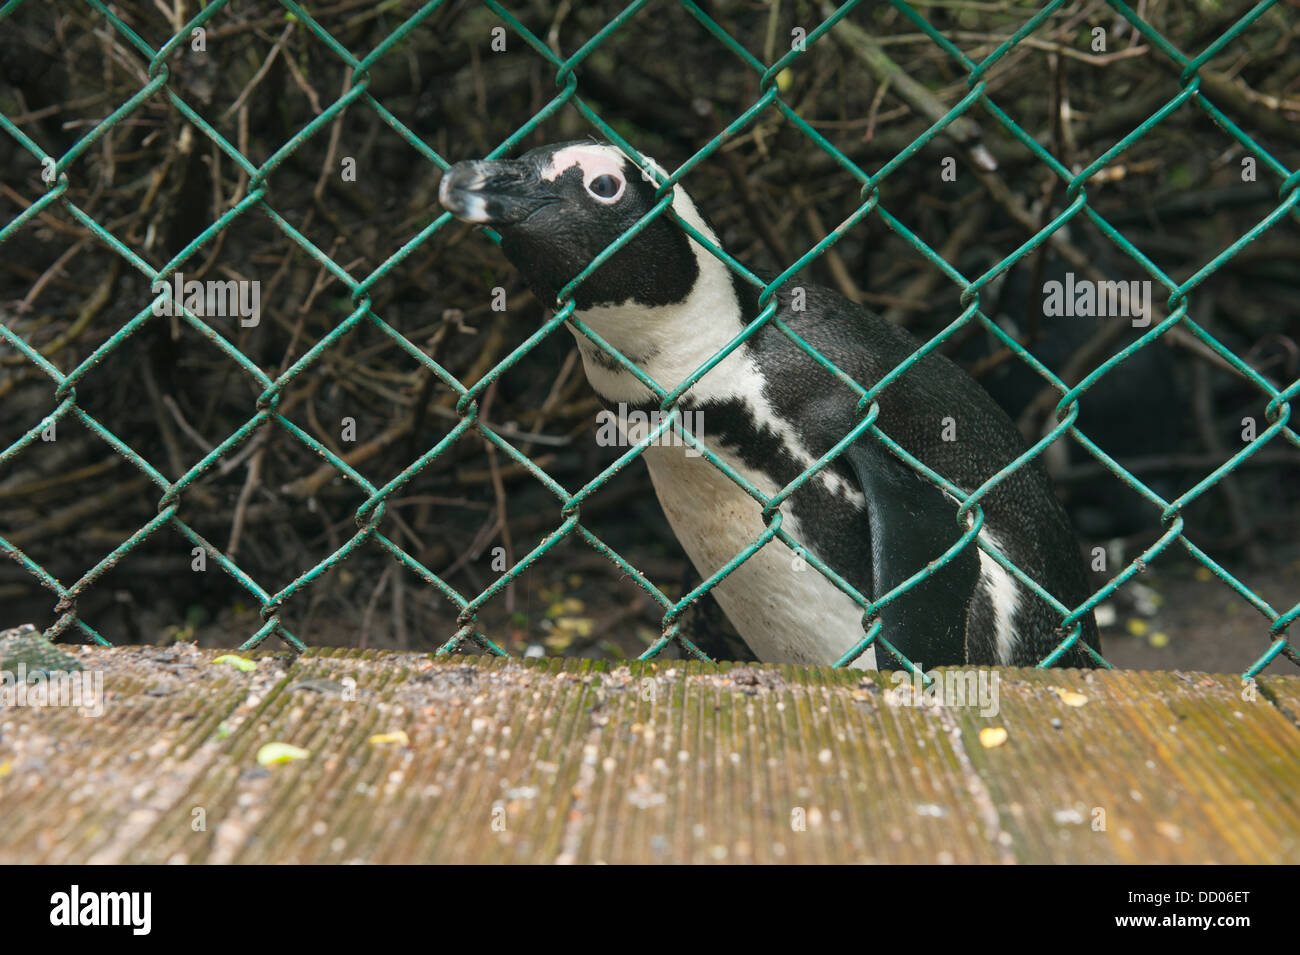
column 493, row 192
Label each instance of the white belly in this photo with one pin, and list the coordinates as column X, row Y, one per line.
column 785, row 610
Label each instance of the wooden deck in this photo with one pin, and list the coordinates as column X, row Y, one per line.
column 411, row 760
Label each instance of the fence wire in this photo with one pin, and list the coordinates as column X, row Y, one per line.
column 370, row 516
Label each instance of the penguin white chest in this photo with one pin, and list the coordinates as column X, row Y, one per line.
column 785, row 610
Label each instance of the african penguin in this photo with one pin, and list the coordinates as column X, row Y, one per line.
column 769, row 411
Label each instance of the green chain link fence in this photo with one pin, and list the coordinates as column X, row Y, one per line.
column 371, row 514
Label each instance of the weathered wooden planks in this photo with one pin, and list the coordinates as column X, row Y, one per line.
column 661, row 762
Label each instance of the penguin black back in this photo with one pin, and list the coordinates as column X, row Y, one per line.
column 931, row 402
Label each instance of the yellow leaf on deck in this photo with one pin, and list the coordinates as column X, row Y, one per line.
column 273, row 753
column 992, row 736
column 1069, row 697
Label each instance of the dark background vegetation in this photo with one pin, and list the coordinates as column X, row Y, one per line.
column 1172, row 413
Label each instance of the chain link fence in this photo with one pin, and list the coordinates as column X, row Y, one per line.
column 59, row 171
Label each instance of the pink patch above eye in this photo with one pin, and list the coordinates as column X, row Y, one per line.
column 594, row 161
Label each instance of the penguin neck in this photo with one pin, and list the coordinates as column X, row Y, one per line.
column 667, row 342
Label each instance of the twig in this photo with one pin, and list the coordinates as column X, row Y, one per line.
column 245, row 494
column 185, row 426
column 860, row 44
column 1207, row 428
column 261, row 70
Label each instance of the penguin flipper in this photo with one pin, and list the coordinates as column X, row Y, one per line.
column 913, row 523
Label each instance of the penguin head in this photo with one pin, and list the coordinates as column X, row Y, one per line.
column 559, row 206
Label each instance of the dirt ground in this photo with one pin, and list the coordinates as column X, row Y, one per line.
column 1201, row 623
column 1175, row 616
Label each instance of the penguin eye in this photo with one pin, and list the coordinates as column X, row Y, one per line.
column 605, row 187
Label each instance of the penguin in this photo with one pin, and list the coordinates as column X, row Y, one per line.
column 769, row 411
